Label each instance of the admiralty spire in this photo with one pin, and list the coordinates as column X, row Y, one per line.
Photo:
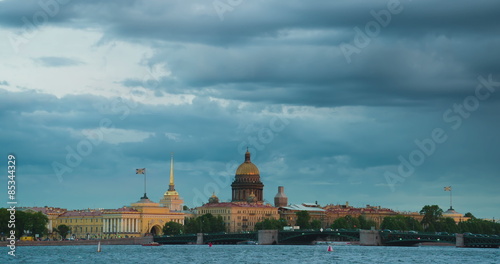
column 171, row 197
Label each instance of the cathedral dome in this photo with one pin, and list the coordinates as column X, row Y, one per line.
column 247, row 182
column 247, row 167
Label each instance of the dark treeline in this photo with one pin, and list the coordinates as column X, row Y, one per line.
column 206, row 223
column 350, row 222
column 26, row 223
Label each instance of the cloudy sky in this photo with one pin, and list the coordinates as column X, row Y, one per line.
column 371, row 102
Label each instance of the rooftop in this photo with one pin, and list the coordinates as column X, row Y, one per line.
column 301, row 207
column 231, row 204
column 82, row 213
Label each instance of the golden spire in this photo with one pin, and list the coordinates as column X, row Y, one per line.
column 171, row 186
column 172, row 170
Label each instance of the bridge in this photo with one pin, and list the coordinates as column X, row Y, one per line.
column 380, row 238
column 309, row 236
column 304, row 237
column 410, row 239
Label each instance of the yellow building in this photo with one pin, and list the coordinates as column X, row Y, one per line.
column 139, row 219
column 375, row 213
column 82, row 223
column 239, row 216
column 458, row 217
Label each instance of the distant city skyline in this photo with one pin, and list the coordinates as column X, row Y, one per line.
column 374, row 102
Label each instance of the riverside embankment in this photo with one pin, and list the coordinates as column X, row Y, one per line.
column 120, row 241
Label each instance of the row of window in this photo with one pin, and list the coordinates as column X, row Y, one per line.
column 218, row 211
column 79, row 229
column 80, row 220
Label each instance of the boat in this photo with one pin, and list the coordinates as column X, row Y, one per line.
column 99, row 247
column 152, row 244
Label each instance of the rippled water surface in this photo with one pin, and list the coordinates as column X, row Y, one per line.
column 250, row 254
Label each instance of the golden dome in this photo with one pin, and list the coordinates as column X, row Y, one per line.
column 247, row 169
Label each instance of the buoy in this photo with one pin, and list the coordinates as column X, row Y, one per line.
column 99, row 247
column 330, row 249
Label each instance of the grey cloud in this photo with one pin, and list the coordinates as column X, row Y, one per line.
column 57, row 61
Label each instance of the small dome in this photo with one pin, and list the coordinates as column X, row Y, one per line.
column 213, row 199
column 252, row 198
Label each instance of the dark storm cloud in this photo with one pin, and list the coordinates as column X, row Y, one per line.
column 57, row 61
column 268, row 51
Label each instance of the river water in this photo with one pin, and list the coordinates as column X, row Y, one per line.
column 250, row 254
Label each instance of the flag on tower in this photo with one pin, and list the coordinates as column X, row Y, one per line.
column 447, row 189
column 140, row 171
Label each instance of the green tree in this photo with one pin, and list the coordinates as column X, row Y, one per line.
column 340, row 223
column 22, row 223
column 270, row 224
column 448, row 225
column 315, row 224
column 431, row 214
column 348, row 222
column 400, row 222
column 479, row 226
column 303, row 219
column 4, row 219
column 172, row 228
column 62, row 230
column 352, row 222
column 206, row 223
column 38, row 223
column 468, row 214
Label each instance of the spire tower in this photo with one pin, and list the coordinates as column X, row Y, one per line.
column 171, row 197
column 171, row 186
